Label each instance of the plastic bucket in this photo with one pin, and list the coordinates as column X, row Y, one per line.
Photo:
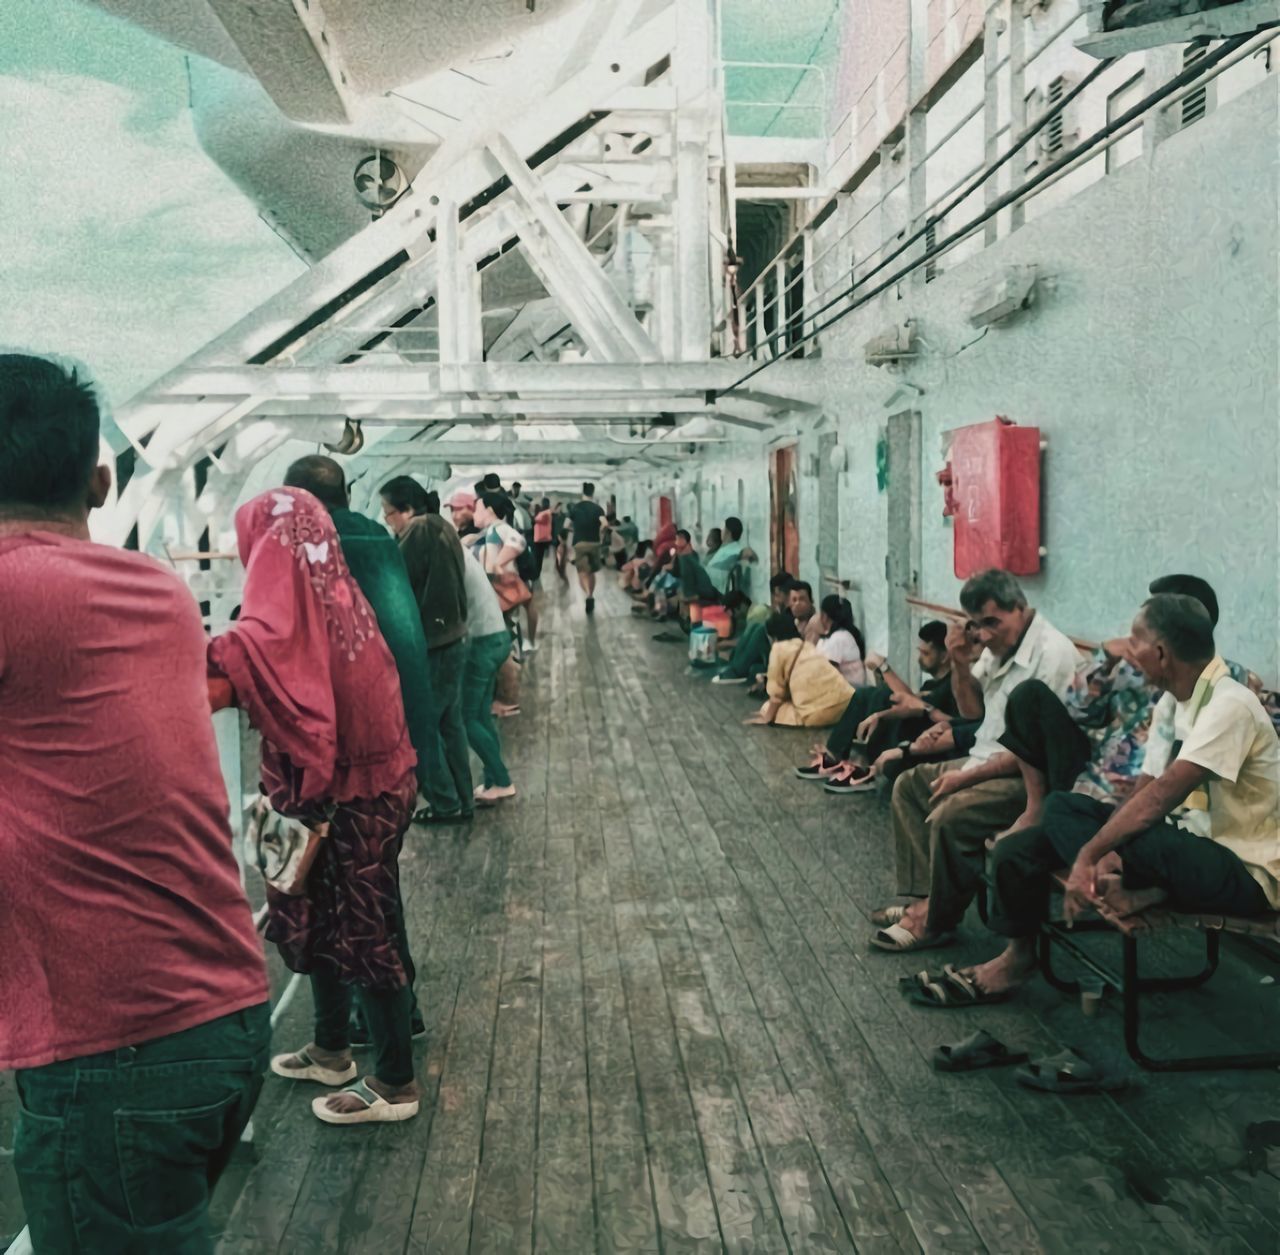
column 702, row 646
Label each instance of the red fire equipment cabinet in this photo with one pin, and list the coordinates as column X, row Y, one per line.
column 992, row 486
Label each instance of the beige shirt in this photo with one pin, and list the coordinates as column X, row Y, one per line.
column 1233, row 738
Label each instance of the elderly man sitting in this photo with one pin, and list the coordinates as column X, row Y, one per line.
column 943, row 813
column 1148, row 851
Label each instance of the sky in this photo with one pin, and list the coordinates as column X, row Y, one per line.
column 121, row 244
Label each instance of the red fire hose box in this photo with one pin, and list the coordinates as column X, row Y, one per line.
column 992, row 485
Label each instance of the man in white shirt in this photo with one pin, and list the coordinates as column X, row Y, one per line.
column 1128, row 859
column 944, row 813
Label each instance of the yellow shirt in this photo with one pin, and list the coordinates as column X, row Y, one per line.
column 812, row 692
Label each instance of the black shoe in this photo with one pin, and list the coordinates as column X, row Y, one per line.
column 591, row 605
column 428, row 816
column 816, row 768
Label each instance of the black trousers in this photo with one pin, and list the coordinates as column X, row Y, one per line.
column 388, row 1013
column 1198, row 874
column 1038, row 729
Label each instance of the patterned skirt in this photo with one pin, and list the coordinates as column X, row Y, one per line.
column 346, row 922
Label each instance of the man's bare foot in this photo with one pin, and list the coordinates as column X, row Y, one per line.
column 345, row 1102
column 331, row 1060
column 1118, row 902
column 1008, row 970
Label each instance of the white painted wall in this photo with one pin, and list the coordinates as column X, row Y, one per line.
column 1149, row 363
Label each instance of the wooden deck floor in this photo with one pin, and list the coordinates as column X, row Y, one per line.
column 655, row 1025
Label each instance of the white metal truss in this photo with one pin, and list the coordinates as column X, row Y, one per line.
column 391, row 328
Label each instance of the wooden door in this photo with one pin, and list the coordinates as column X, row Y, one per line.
column 784, row 511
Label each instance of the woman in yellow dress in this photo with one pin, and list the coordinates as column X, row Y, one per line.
column 805, row 689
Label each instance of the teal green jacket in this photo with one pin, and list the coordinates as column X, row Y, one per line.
column 376, row 565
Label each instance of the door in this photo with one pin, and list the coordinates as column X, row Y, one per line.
column 902, row 559
column 666, row 513
column 828, row 513
column 784, row 512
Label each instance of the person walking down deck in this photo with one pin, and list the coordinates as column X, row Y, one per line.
column 133, row 991
column 309, row 665
column 585, row 518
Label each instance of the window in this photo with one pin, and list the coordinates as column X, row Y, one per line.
column 1054, row 135
column 930, row 243
column 1195, row 104
column 1118, row 104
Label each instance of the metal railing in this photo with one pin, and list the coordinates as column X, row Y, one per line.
column 771, row 309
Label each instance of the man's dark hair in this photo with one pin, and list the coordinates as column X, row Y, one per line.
column 801, row 586
column 733, row 527
column 1183, row 623
column 994, row 585
column 405, row 493
column 322, row 477
column 500, row 504
column 626, row 518
column 515, row 489
column 433, row 502
column 588, row 490
column 681, row 534
column 781, row 627
column 546, row 503
column 48, row 435
column 1188, row 586
column 781, row 580
column 934, row 633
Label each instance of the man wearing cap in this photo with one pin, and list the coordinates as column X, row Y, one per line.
column 462, row 509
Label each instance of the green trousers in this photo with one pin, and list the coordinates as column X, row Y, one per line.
column 119, row 1152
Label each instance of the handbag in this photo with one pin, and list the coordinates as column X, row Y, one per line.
column 511, row 589
column 282, row 849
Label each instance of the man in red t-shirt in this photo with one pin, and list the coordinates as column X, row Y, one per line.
column 133, row 990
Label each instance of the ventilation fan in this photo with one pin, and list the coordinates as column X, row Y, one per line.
column 379, row 182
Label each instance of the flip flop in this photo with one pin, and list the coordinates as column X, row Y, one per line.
column 952, row 988
column 312, row 1071
column 980, row 1050
column 899, row 940
column 1069, row 1072
column 377, row 1110
column 887, row 915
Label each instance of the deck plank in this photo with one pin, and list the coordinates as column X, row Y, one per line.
column 654, row 1025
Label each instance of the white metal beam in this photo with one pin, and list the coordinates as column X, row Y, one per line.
column 572, row 275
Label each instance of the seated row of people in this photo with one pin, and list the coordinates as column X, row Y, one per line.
column 1151, row 771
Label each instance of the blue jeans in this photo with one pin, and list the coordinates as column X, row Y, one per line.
column 119, row 1151
column 487, row 654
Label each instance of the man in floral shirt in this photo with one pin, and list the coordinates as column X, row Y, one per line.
column 1095, row 740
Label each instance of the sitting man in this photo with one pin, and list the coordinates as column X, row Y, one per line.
column 1095, row 738
column 750, row 656
column 883, row 716
column 731, row 555
column 804, row 612
column 695, row 582
column 1139, row 855
column 943, row 813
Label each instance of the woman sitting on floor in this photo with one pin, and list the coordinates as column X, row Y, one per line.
column 805, row 690
column 841, row 642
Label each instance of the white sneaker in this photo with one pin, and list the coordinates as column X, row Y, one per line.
column 529, row 647
column 728, row 679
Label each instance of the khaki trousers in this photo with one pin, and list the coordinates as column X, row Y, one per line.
column 940, row 851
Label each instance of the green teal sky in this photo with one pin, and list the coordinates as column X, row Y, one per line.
column 125, row 247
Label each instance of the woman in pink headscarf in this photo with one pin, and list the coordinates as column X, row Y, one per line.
column 309, row 666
